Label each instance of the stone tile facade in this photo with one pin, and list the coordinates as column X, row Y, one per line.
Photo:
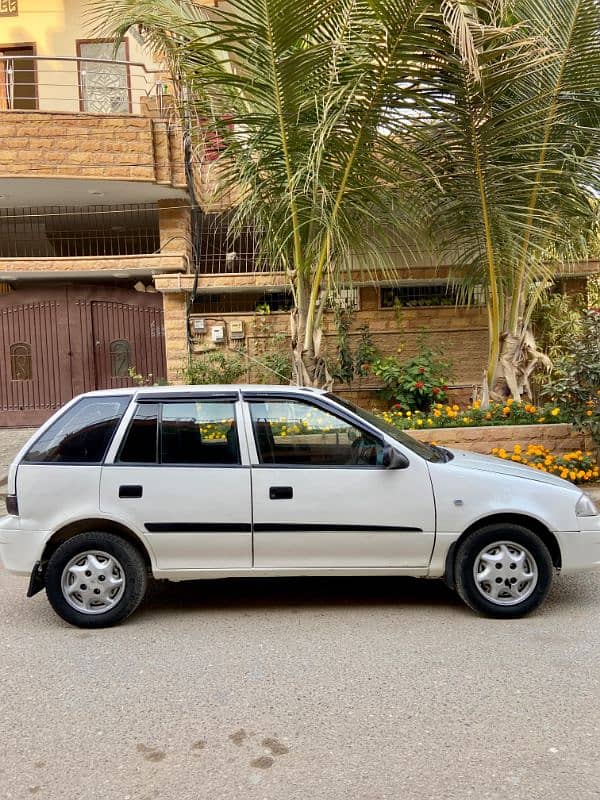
column 560, row 438
column 123, row 147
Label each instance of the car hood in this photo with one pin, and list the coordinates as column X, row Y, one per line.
column 475, row 461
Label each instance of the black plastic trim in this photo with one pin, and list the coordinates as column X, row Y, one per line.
column 37, row 581
column 198, row 527
column 189, row 397
column 286, row 527
column 12, row 505
column 131, row 491
column 281, row 492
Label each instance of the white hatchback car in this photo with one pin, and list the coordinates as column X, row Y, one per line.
column 223, row 481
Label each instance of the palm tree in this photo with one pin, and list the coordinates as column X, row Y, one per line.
column 370, row 125
column 319, row 106
column 517, row 152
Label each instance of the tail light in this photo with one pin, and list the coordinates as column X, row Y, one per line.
column 12, row 505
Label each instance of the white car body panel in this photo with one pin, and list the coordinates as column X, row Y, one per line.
column 176, row 496
column 354, row 517
column 442, row 499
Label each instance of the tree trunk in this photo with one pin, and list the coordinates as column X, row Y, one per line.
column 309, row 367
column 518, row 359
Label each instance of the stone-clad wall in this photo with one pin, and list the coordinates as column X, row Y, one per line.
column 461, row 333
column 124, row 147
column 560, row 438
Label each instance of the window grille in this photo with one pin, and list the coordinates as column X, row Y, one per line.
column 418, row 296
column 243, row 303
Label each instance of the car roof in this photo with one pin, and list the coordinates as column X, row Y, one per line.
column 227, row 388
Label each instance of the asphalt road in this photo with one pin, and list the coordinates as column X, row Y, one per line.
column 302, row 690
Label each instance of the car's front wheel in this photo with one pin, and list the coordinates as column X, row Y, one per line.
column 95, row 579
column 503, row 570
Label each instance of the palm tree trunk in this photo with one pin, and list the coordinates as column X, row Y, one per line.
column 519, row 358
column 309, row 367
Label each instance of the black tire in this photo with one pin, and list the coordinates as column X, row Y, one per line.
column 467, row 553
column 133, row 567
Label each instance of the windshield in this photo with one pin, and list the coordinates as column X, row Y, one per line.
column 427, row 451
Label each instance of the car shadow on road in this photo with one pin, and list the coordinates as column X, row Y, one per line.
column 289, row 593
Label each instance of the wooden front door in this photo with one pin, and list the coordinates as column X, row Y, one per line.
column 56, row 343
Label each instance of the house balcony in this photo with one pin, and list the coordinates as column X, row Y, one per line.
column 86, row 129
column 124, row 242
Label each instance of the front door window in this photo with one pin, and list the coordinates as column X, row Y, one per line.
column 291, row 432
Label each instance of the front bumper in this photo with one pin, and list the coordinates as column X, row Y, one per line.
column 580, row 550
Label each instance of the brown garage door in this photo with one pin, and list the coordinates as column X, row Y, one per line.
column 56, row 343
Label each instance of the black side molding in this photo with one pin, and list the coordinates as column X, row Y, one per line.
column 290, row 527
column 198, row 527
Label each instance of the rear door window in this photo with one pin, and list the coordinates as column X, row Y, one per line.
column 82, row 434
column 201, row 432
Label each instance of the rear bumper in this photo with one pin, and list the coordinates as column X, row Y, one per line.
column 19, row 549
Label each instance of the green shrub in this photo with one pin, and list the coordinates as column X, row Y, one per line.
column 417, row 383
column 214, row 366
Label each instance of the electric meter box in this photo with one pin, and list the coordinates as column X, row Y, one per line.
column 197, row 324
column 218, row 333
column 236, row 329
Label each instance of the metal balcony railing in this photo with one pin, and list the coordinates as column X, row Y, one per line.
column 222, row 253
column 80, row 85
column 88, row 232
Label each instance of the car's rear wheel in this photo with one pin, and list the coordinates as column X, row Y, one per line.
column 95, row 579
column 503, row 570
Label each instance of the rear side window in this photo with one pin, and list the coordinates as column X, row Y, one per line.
column 140, row 442
column 81, row 435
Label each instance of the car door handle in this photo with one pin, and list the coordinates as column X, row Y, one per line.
column 281, row 492
column 130, row 491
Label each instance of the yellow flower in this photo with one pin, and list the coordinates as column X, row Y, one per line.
column 455, row 408
column 555, row 412
column 506, row 411
column 465, row 419
column 437, row 413
column 589, row 412
column 518, row 449
column 488, row 415
column 419, row 422
column 510, row 401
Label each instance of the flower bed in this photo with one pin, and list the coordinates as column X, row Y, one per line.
column 576, row 466
column 452, row 416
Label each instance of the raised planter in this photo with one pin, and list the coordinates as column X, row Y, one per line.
column 560, row 438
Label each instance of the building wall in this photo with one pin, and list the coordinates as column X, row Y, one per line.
column 39, row 145
column 460, row 333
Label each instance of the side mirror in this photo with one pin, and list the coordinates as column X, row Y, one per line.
column 392, row 459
